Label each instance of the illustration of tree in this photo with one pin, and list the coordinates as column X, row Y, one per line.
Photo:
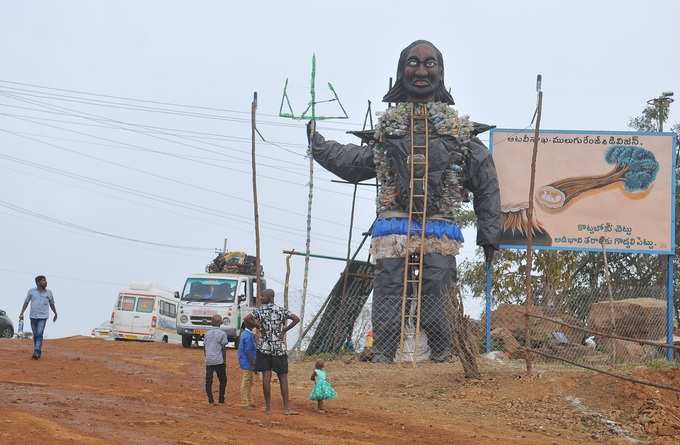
column 576, row 279
column 634, row 166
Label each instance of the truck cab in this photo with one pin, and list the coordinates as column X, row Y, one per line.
column 230, row 295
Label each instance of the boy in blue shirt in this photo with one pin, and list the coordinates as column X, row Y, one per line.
column 246, row 360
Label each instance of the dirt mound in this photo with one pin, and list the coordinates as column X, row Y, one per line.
column 643, row 318
column 511, row 317
column 647, row 411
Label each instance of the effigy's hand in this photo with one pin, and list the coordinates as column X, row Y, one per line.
column 311, row 129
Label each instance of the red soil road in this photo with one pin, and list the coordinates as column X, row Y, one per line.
column 89, row 391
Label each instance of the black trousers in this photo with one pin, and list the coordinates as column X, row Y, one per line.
column 221, row 371
column 439, row 271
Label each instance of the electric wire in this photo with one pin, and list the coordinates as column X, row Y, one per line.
column 162, row 177
column 44, row 217
column 159, row 198
column 174, row 155
column 117, row 125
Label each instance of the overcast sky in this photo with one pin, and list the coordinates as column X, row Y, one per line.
column 85, row 164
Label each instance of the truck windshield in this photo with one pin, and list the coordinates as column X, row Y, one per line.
column 214, row 290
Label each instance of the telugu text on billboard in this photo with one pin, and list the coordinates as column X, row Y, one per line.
column 593, row 190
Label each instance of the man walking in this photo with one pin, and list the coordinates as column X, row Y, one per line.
column 41, row 300
column 271, row 355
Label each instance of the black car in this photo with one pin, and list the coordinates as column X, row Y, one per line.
column 6, row 327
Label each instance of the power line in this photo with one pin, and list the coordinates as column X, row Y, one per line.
column 150, row 101
column 158, row 198
column 165, row 178
column 200, row 134
column 156, row 110
column 65, row 277
column 98, row 119
column 42, row 216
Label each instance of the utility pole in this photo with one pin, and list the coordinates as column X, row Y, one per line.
column 662, row 104
column 253, row 110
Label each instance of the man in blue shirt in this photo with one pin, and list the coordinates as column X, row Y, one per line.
column 246, row 360
column 41, row 300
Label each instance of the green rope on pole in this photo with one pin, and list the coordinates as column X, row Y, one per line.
column 313, row 117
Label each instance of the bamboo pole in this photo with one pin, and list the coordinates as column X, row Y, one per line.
column 345, row 277
column 287, row 281
column 305, row 280
column 530, row 215
column 602, row 371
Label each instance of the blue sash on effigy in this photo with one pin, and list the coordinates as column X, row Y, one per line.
column 433, row 229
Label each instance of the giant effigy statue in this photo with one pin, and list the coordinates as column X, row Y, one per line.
column 457, row 163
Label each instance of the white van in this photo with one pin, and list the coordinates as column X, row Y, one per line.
column 230, row 295
column 145, row 313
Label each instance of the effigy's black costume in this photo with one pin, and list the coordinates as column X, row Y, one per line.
column 458, row 162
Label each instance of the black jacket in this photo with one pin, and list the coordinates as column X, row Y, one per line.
column 355, row 163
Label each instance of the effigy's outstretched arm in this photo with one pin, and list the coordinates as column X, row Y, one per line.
column 483, row 183
column 351, row 162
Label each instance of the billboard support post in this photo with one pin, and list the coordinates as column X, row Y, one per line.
column 670, row 310
column 487, row 297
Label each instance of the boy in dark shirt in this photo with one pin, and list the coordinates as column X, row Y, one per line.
column 215, row 358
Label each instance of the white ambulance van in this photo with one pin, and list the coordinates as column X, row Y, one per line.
column 145, row 313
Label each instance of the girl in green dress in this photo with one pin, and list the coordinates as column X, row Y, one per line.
column 322, row 388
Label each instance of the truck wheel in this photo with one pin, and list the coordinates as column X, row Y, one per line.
column 186, row 340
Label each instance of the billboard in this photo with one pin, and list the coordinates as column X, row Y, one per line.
column 593, row 189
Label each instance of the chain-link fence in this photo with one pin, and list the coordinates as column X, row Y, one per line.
column 392, row 327
column 592, row 327
column 598, row 327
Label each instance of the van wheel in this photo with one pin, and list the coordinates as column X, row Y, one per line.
column 186, row 340
column 164, row 339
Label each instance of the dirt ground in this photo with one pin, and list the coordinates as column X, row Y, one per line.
column 90, row 391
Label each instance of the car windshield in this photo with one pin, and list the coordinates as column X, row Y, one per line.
column 215, row 290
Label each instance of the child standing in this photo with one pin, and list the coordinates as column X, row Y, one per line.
column 215, row 358
column 246, row 360
column 322, row 388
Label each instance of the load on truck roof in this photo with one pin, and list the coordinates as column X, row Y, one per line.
column 233, row 262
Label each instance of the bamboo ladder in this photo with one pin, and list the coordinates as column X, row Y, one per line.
column 415, row 235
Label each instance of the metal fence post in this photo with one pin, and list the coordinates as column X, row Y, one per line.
column 487, row 291
column 669, row 308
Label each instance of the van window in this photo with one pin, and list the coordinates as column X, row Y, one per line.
column 126, row 303
column 145, row 305
column 214, row 290
column 168, row 309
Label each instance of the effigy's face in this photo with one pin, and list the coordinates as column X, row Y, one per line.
column 422, row 73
